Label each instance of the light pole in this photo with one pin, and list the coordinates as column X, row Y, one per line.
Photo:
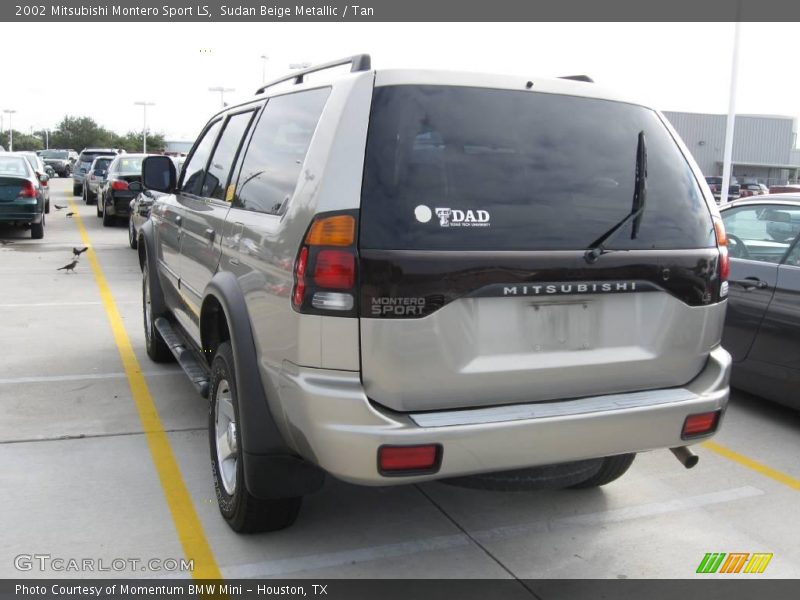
column 221, row 91
column 264, row 59
column 9, row 112
column 144, row 106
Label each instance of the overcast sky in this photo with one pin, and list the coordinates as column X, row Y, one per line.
column 101, row 69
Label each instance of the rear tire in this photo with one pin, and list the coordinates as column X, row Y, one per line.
column 77, row 190
column 47, row 207
column 108, row 220
column 613, row 468
column 37, row 230
column 157, row 349
column 243, row 512
column 98, row 206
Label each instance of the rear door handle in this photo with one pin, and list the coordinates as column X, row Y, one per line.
column 178, row 220
column 210, row 234
column 750, row 283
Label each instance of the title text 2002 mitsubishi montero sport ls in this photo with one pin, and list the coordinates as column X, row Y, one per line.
column 397, row 276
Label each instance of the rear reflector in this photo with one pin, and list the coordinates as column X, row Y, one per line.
column 332, row 301
column 395, row 459
column 700, row 424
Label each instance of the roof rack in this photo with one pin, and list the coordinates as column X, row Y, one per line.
column 584, row 78
column 358, row 62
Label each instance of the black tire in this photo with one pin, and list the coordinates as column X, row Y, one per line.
column 548, row 477
column 613, row 467
column 37, row 230
column 68, row 172
column 157, row 349
column 132, row 234
column 77, row 190
column 108, row 220
column 85, row 195
column 243, row 512
column 98, row 206
column 47, row 207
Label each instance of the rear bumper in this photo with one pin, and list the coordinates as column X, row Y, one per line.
column 331, row 422
column 120, row 205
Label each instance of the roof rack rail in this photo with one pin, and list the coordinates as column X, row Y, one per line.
column 358, row 62
column 584, row 78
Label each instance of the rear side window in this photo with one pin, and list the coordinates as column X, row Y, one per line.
column 456, row 168
column 277, row 150
column 195, row 170
column 220, row 167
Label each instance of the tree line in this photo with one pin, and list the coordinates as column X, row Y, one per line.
column 82, row 132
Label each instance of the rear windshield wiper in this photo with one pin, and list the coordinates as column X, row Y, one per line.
column 596, row 248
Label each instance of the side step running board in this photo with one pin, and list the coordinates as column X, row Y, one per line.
column 197, row 372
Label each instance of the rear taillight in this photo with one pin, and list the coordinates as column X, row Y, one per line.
column 27, row 190
column 326, row 271
column 119, row 185
column 724, row 259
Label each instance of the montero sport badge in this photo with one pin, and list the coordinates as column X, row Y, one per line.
column 562, row 288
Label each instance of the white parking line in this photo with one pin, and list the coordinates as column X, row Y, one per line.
column 361, row 555
column 83, row 376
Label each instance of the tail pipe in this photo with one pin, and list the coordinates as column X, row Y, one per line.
column 685, row 456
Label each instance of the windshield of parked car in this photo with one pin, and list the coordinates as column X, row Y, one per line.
column 54, row 154
column 14, row 165
column 516, row 170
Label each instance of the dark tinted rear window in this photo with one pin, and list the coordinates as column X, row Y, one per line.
column 456, row 168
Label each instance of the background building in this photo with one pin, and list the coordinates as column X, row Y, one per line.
column 764, row 146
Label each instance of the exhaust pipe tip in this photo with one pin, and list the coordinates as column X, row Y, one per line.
column 685, row 456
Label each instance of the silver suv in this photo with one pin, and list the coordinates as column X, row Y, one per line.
column 398, row 276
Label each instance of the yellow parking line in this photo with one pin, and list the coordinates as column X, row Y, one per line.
column 188, row 526
column 756, row 466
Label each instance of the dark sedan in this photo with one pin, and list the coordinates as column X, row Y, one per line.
column 20, row 201
column 114, row 196
column 762, row 329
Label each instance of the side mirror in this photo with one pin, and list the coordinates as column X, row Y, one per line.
column 158, row 173
column 43, row 178
column 135, row 186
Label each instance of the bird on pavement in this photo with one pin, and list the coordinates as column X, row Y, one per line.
column 70, row 213
column 79, row 251
column 59, row 207
column 70, row 267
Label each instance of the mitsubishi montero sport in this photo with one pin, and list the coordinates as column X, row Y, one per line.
column 399, row 276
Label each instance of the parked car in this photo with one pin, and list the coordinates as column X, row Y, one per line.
column 95, row 178
column 715, row 183
column 61, row 161
column 84, row 164
column 20, row 201
column 114, row 196
column 762, row 328
column 399, row 276
column 142, row 203
column 42, row 177
column 747, row 190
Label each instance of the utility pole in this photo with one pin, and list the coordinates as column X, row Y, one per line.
column 264, row 59
column 221, row 91
column 9, row 112
column 727, row 159
column 144, row 106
